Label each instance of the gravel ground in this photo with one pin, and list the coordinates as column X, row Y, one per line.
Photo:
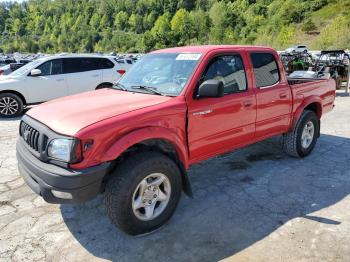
column 255, row 204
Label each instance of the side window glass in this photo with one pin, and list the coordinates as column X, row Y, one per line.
column 89, row 64
column 105, row 63
column 265, row 69
column 230, row 70
column 45, row 68
column 56, row 67
column 72, row 65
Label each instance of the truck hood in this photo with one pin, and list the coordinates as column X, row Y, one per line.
column 70, row 114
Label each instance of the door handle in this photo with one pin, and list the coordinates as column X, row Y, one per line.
column 95, row 75
column 247, row 103
column 60, row 80
column 283, row 95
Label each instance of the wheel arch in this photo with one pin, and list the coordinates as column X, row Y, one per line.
column 103, row 84
column 153, row 139
column 313, row 104
column 15, row 93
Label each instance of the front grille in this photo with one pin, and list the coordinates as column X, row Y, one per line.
column 30, row 136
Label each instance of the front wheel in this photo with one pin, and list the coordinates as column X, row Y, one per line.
column 143, row 192
column 10, row 105
column 301, row 141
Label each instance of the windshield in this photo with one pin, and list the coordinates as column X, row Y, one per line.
column 24, row 69
column 165, row 73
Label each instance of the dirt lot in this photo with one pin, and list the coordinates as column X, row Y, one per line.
column 256, row 204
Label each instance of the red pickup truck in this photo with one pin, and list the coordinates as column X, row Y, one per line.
column 174, row 108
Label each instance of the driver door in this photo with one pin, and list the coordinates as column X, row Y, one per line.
column 50, row 84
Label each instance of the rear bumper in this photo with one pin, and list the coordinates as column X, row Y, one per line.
column 59, row 185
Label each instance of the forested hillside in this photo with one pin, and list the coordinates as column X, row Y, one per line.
column 143, row 25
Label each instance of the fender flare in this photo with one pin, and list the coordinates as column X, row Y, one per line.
column 137, row 136
column 310, row 100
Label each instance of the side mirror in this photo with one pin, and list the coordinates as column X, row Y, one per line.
column 35, row 72
column 211, row 88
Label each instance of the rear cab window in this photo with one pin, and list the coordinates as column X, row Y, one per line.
column 265, row 69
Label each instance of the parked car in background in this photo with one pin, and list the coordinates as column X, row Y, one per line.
column 297, row 49
column 55, row 76
column 127, row 61
column 8, row 69
column 172, row 109
column 5, row 70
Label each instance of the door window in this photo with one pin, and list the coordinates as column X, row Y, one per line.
column 53, row 67
column 89, row 64
column 76, row 65
column 105, row 63
column 265, row 69
column 230, row 70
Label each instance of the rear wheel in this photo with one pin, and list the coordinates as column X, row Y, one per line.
column 143, row 192
column 106, row 85
column 10, row 105
column 301, row 141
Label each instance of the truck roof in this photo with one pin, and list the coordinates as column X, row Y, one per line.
column 208, row 48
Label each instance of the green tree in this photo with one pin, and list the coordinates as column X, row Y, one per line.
column 308, row 26
column 182, row 27
column 161, row 31
column 219, row 20
column 121, row 20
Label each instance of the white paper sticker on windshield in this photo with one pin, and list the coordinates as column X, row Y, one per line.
column 188, row 56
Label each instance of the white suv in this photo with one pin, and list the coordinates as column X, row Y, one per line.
column 297, row 49
column 56, row 76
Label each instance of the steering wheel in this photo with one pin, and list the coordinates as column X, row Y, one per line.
column 153, row 79
column 179, row 79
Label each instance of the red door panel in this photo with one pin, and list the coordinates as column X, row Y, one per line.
column 216, row 125
column 274, row 105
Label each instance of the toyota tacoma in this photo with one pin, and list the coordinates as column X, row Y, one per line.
column 134, row 142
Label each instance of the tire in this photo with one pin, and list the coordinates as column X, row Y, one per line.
column 124, row 186
column 293, row 142
column 104, row 86
column 11, row 105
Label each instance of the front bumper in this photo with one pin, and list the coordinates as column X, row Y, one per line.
column 73, row 186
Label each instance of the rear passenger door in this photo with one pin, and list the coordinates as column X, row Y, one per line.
column 82, row 74
column 273, row 95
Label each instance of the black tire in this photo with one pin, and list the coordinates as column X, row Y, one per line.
column 124, row 181
column 11, row 105
column 104, row 86
column 292, row 141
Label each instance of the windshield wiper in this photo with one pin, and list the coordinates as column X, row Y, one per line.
column 149, row 89
column 120, row 86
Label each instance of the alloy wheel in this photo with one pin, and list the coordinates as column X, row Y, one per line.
column 151, row 196
column 8, row 106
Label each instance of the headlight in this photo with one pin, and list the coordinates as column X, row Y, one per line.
column 65, row 149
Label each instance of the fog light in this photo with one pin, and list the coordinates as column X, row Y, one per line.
column 64, row 195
